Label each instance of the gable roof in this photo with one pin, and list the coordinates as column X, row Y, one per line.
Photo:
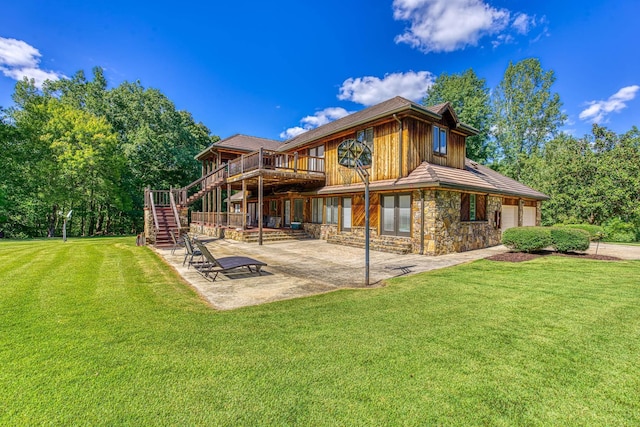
column 239, row 142
column 381, row 110
column 473, row 177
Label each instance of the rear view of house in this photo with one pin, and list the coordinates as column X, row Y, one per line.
column 426, row 197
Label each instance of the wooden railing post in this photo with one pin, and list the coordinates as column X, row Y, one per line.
column 295, row 161
column 261, row 158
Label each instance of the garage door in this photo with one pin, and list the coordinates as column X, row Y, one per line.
column 529, row 216
column 509, row 216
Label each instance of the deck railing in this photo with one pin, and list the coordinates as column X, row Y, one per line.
column 223, row 219
column 272, row 160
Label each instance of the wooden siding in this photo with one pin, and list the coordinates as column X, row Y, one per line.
column 420, row 146
column 384, row 159
column 358, row 211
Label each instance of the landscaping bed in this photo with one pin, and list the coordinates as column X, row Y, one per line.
column 524, row 256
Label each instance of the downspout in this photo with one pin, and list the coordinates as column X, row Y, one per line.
column 400, row 146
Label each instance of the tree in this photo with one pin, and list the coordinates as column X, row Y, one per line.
column 592, row 179
column 470, row 99
column 88, row 164
column 527, row 114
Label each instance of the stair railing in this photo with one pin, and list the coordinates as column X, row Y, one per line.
column 174, row 208
column 156, row 225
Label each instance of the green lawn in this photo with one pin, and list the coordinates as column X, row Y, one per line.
column 101, row 332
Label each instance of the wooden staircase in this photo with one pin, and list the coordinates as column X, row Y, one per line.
column 166, row 222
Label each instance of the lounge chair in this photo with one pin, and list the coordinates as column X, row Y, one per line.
column 214, row 266
column 178, row 242
column 191, row 252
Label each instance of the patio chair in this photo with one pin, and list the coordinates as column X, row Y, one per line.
column 191, row 252
column 178, row 242
column 214, row 266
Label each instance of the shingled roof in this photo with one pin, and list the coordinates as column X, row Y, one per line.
column 474, row 177
column 384, row 109
column 239, row 142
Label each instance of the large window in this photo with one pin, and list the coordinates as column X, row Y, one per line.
column 473, row 207
column 317, row 205
column 396, row 214
column 331, row 211
column 439, row 140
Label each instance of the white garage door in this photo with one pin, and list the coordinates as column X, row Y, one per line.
column 509, row 216
column 529, row 216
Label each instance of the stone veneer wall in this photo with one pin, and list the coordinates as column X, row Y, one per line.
column 207, row 230
column 149, row 234
column 444, row 232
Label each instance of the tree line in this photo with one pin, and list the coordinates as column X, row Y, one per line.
column 75, row 145
column 591, row 179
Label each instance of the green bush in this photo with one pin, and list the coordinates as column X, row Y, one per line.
column 566, row 239
column 617, row 230
column 595, row 231
column 527, row 239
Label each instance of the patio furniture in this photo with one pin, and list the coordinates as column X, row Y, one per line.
column 191, row 252
column 214, row 266
column 178, row 242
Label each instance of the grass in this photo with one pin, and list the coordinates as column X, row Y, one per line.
column 101, row 332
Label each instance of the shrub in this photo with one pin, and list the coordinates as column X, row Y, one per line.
column 617, row 230
column 527, row 239
column 595, row 231
column 566, row 239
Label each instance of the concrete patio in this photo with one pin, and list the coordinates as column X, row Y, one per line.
column 303, row 268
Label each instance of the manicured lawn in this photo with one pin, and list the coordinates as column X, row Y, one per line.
column 101, row 332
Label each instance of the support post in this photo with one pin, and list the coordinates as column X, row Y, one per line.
column 260, row 208
column 244, row 204
column 228, row 204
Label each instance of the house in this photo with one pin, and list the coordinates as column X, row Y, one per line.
column 426, row 197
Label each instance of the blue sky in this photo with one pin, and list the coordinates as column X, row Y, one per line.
column 274, row 69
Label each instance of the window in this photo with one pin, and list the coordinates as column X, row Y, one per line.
column 473, row 207
column 346, row 213
column 298, row 208
column 316, row 160
column 366, row 136
column 439, row 140
column 317, row 205
column 396, row 215
column 331, row 210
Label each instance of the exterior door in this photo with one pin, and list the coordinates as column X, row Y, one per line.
column 287, row 213
column 509, row 216
column 529, row 216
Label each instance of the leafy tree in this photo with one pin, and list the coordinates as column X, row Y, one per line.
column 470, row 99
column 592, row 179
column 77, row 144
column 527, row 114
column 88, row 165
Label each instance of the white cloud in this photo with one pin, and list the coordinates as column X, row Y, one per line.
column 597, row 111
column 448, row 25
column 19, row 59
column 318, row 119
column 523, row 22
column 371, row 90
